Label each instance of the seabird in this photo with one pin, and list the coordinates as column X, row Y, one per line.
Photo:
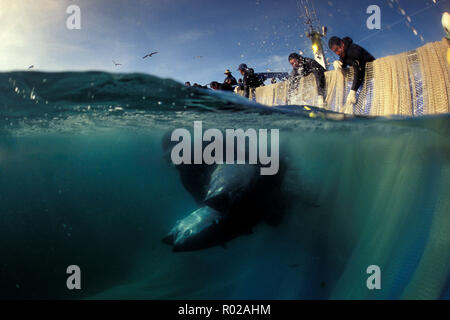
column 149, row 55
column 116, row 64
column 31, row 67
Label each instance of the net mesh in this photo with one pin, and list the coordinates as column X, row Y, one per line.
column 411, row 83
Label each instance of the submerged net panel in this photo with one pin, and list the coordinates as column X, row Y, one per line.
column 411, row 83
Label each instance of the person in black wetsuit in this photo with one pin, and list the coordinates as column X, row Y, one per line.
column 302, row 67
column 350, row 55
column 250, row 79
column 220, row 86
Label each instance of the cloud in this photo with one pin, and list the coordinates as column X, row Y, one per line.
column 275, row 63
column 191, row 35
column 25, row 28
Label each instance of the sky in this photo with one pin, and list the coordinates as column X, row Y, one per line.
column 197, row 40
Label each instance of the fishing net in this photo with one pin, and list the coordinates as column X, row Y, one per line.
column 411, row 83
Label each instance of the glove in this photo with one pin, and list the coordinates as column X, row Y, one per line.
column 348, row 108
column 351, row 100
column 337, row 65
column 446, row 24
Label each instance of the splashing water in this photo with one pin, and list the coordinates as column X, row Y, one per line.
column 83, row 182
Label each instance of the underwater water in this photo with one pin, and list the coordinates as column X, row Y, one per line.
column 83, row 182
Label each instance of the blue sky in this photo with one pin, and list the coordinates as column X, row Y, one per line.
column 260, row 33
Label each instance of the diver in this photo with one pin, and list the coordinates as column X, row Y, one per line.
column 302, row 67
column 250, row 79
column 350, row 55
column 196, row 85
column 220, row 86
column 214, row 85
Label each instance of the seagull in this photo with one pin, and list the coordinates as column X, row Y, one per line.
column 149, row 55
column 31, row 67
column 116, row 64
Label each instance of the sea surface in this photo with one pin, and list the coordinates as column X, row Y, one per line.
column 83, row 181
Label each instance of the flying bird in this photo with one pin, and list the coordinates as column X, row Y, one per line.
column 149, row 55
column 116, row 64
column 31, row 67
column 198, row 57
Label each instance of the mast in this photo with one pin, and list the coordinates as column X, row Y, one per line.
column 313, row 31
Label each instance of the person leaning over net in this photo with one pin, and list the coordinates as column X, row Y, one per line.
column 350, row 55
column 250, row 79
column 302, row 67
